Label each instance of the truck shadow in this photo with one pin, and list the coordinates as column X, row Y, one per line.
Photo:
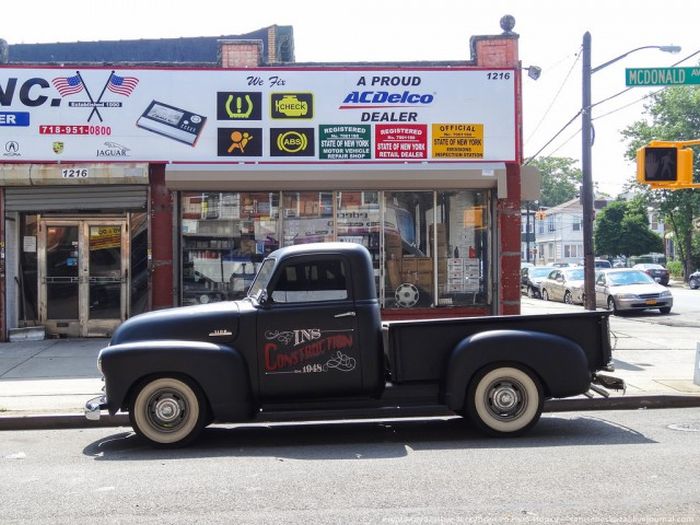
column 364, row 440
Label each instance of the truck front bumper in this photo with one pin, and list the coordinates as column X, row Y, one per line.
column 94, row 406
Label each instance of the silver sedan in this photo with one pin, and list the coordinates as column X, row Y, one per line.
column 563, row 284
column 628, row 289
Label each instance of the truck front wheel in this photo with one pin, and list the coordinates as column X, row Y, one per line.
column 505, row 400
column 168, row 411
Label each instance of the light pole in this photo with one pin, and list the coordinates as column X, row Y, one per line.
column 586, row 170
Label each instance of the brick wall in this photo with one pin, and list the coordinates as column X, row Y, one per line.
column 240, row 53
column 502, row 51
column 162, row 254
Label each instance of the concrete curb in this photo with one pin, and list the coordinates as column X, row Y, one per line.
column 69, row 421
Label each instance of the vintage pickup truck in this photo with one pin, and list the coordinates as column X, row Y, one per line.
column 307, row 342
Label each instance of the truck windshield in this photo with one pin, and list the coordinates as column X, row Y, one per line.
column 262, row 278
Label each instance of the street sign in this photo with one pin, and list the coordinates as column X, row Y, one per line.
column 662, row 76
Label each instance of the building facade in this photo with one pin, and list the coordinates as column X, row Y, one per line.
column 164, row 179
column 559, row 233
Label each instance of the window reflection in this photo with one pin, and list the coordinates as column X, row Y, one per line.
column 428, row 248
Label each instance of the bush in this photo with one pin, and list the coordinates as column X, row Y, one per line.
column 675, row 268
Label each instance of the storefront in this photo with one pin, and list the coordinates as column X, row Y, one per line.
column 76, row 260
column 430, row 231
column 418, row 164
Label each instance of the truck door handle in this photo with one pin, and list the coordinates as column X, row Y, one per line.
column 345, row 314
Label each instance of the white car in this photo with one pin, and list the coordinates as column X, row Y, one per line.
column 628, row 289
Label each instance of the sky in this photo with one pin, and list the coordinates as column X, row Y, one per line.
column 551, row 33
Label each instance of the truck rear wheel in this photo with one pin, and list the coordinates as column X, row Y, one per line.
column 168, row 411
column 505, row 400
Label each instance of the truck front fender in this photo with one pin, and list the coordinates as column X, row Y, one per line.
column 560, row 363
column 220, row 371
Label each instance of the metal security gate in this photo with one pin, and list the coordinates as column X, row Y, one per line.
column 83, row 281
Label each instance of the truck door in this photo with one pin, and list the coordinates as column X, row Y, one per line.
column 308, row 342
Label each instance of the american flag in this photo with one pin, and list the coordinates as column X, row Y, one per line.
column 122, row 85
column 68, row 85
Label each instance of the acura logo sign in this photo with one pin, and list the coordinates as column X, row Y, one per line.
column 11, row 148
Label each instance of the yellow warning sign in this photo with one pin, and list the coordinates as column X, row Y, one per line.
column 458, row 141
column 105, row 237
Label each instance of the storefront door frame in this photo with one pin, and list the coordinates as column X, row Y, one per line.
column 83, row 325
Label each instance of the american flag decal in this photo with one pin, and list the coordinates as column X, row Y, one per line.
column 68, row 85
column 122, row 85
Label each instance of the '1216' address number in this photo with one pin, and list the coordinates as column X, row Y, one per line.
column 73, row 173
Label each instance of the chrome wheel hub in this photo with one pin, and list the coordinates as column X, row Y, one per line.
column 506, row 400
column 167, row 409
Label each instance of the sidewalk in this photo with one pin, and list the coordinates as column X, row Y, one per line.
column 45, row 384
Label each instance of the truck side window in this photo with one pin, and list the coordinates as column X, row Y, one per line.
column 311, row 281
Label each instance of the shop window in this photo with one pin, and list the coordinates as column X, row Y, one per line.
column 224, row 238
column 357, row 220
column 428, row 248
column 435, row 243
column 462, row 248
column 307, row 217
column 409, row 265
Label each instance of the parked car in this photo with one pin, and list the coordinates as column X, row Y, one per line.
column 564, row 265
column 530, row 279
column 694, row 280
column 563, row 284
column 599, row 264
column 655, row 271
column 630, row 289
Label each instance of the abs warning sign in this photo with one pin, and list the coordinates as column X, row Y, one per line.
column 458, row 141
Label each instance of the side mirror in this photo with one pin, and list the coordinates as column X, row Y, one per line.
column 261, row 297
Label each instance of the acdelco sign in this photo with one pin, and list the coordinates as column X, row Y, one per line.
column 385, row 98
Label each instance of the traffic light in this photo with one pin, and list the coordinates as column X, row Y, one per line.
column 665, row 165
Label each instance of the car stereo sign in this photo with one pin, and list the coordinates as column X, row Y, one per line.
column 266, row 115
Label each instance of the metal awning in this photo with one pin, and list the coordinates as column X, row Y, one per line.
column 405, row 176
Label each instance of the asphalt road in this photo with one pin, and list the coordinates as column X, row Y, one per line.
column 598, row 467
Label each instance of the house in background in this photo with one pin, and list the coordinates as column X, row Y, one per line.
column 559, row 233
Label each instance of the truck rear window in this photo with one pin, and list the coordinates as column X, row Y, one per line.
column 317, row 280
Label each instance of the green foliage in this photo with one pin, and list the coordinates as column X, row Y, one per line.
column 675, row 268
column 560, row 180
column 622, row 228
column 673, row 114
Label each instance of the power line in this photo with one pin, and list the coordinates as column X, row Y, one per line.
column 556, row 95
column 601, row 116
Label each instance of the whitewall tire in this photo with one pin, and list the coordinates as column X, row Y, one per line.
column 168, row 412
column 505, row 400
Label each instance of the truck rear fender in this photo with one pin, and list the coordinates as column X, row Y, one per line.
column 560, row 363
column 220, row 371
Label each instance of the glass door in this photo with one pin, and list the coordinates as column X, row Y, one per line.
column 83, row 285
column 106, row 277
column 62, row 275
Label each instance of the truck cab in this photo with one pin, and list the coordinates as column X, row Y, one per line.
column 317, row 323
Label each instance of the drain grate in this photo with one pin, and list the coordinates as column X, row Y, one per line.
column 686, row 427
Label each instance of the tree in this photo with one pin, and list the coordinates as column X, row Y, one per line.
column 622, row 228
column 560, row 180
column 673, row 114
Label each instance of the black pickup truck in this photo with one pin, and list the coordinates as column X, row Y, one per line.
column 308, row 342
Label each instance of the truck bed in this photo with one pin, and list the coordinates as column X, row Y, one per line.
column 418, row 350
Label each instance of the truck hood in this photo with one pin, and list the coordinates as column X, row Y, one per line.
column 216, row 322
